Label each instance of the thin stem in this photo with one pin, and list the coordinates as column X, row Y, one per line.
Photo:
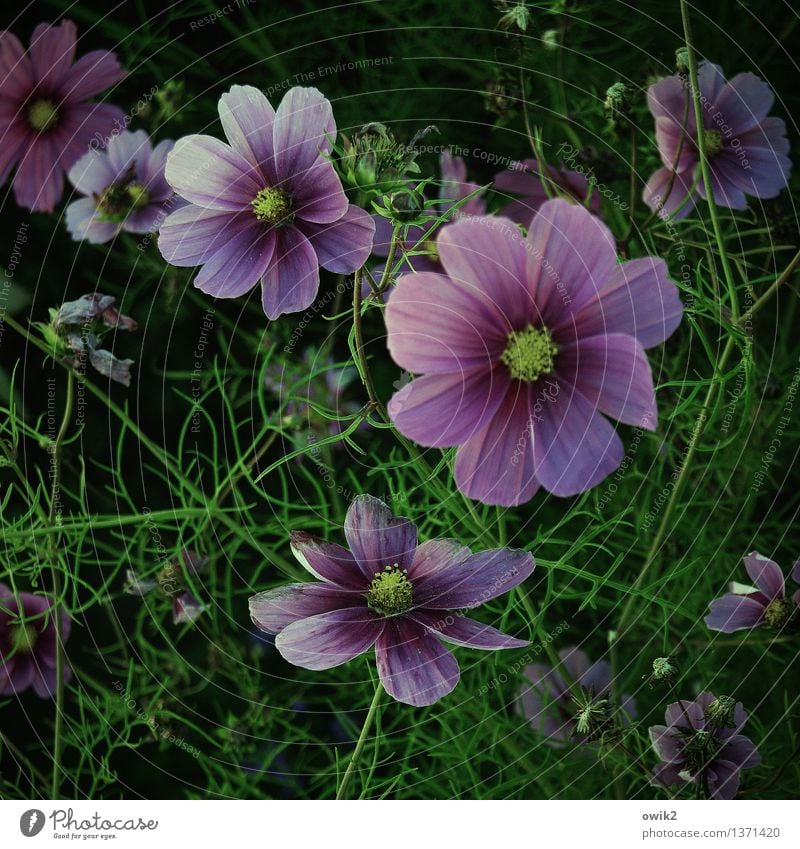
column 53, row 520
column 362, row 739
column 704, row 166
column 632, row 193
column 779, row 281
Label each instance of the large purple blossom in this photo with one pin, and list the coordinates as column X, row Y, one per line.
column 391, row 592
column 764, row 604
column 526, row 180
column 266, row 207
column 546, row 702
column 746, row 150
column 124, row 188
column 28, row 643
column 701, row 742
column 524, row 344
column 45, row 123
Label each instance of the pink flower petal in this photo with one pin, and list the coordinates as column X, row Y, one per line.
column 274, row 610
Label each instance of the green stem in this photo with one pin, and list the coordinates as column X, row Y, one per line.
column 704, row 166
column 779, row 281
column 53, row 520
column 362, row 739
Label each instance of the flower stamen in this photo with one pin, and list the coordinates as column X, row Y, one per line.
column 529, row 353
column 390, row 592
column 42, row 115
column 272, row 206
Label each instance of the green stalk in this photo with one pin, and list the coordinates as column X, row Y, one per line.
column 362, row 739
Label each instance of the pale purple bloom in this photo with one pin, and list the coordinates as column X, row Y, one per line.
column 546, row 702
column 45, row 123
column 266, row 207
column 454, row 187
column 124, row 188
column 29, row 643
column 746, row 149
column 764, row 604
column 694, row 748
column 391, row 592
column 526, row 179
column 525, row 344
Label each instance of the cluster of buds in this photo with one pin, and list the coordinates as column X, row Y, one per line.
column 374, row 161
column 663, row 674
column 74, row 335
column 617, row 104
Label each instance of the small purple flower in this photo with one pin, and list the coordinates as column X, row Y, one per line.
column 171, row 581
column 45, row 123
column 764, row 604
column 266, row 207
column 550, row 708
column 695, row 746
column 746, row 150
column 124, row 186
column 454, row 187
column 28, row 643
column 391, row 592
column 525, row 344
column 525, row 179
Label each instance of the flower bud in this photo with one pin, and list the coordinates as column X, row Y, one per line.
column 663, row 673
column 719, row 714
column 617, row 104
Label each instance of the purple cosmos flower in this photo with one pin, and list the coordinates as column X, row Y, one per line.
column 454, row 187
column 28, row 643
column 124, row 186
column 171, row 581
column 701, row 742
column 525, row 179
column 764, row 604
column 547, row 703
column 524, row 343
column 745, row 148
column 45, row 123
column 268, row 206
column 393, row 593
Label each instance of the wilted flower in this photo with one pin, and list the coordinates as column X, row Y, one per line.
column 746, row 150
column 527, row 180
column 313, row 381
column 561, row 716
column 74, row 334
column 46, row 125
column 171, row 581
column 764, row 604
column 393, row 593
column 124, row 186
column 693, row 749
column 29, row 643
column 501, row 94
column 266, row 207
column 525, row 344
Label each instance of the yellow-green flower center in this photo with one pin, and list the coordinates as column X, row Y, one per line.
column 778, row 612
column 529, row 353
column 390, row 592
column 23, row 638
column 42, row 115
column 271, row 206
column 119, row 200
column 712, row 142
